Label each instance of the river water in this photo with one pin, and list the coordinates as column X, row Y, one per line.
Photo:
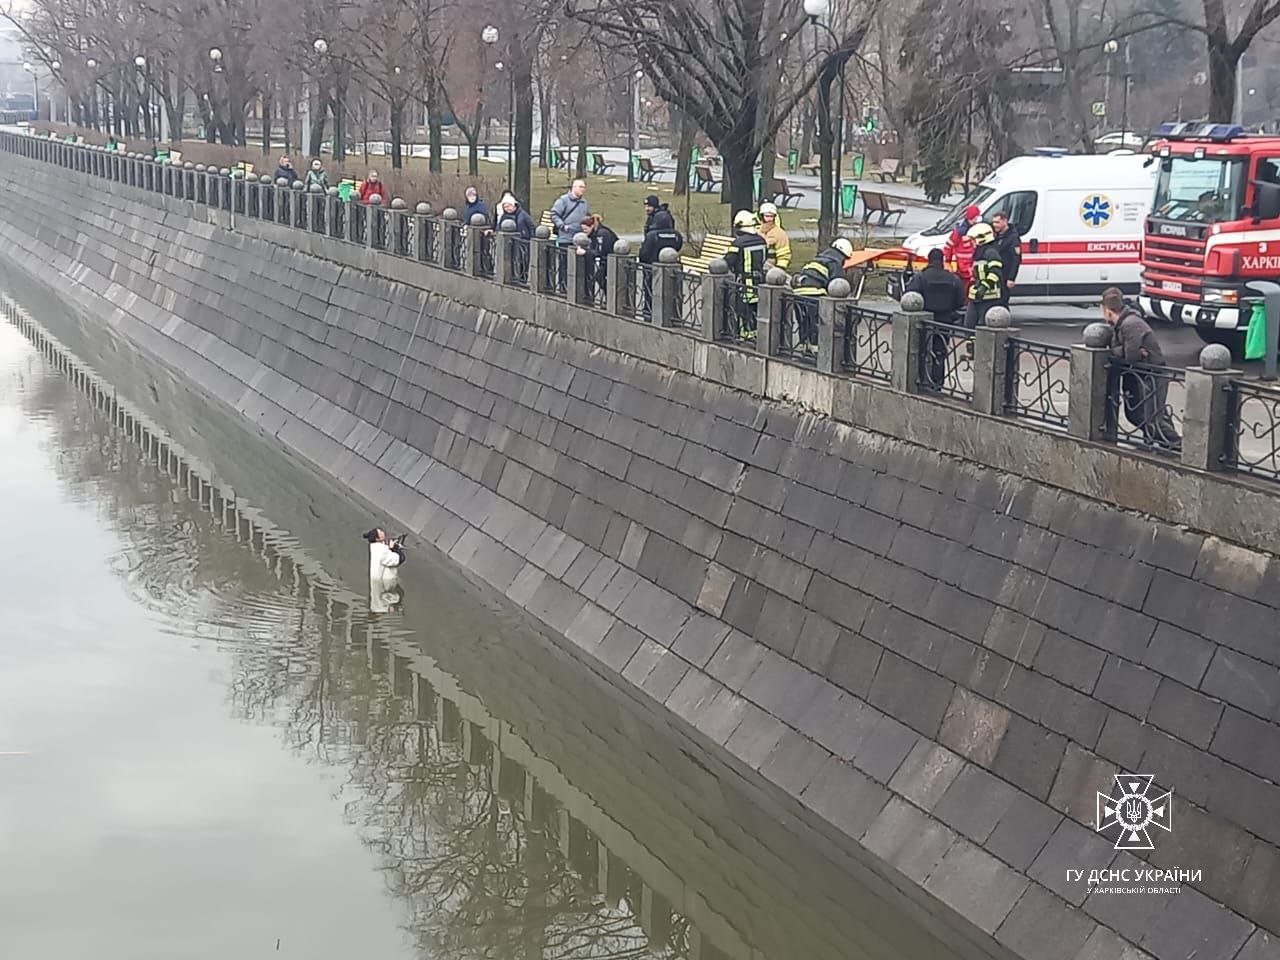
column 216, row 743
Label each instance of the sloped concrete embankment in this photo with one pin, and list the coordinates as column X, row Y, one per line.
column 943, row 662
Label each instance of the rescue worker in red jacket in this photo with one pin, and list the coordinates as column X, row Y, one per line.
column 959, row 247
column 373, row 186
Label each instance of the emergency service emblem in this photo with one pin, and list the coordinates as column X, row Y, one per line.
column 1096, row 210
column 1131, row 809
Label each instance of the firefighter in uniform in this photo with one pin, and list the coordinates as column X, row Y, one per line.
column 746, row 260
column 986, row 287
column 811, row 283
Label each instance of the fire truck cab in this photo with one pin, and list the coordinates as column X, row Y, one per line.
column 1214, row 226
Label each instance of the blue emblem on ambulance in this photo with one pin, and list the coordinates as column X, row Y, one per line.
column 1096, row 210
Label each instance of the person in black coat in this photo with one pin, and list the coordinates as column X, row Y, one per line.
column 659, row 230
column 510, row 211
column 1009, row 243
column 285, row 170
column 602, row 242
column 944, row 296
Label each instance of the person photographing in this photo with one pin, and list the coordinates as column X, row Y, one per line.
column 385, row 555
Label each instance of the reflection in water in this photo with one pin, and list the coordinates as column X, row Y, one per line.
column 485, row 846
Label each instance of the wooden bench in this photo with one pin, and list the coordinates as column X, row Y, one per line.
column 545, row 221
column 813, row 167
column 599, row 165
column 714, row 246
column 879, row 203
column 704, row 179
column 647, row 170
column 889, row 169
column 783, row 194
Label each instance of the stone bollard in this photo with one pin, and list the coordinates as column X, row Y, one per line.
column 620, row 294
column 906, row 343
column 713, row 295
column 451, row 250
column 1205, row 416
column 425, row 235
column 506, row 265
column 832, row 316
column 579, row 282
column 475, row 246
column 666, row 288
column 771, row 313
column 1087, row 394
column 990, row 358
column 544, row 249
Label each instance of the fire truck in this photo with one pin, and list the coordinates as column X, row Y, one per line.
column 1214, row 226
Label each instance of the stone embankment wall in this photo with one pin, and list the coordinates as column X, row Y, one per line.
column 942, row 661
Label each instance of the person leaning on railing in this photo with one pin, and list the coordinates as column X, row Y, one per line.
column 1145, row 394
column 812, row 282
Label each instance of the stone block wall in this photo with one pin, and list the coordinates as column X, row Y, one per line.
column 942, row 661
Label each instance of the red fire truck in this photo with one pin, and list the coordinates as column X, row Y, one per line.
column 1214, row 226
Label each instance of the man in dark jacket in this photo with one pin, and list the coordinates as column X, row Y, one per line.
column 943, row 293
column 987, row 279
column 285, row 171
column 475, row 204
column 1009, row 243
column 1145, row 394
column 602, row 242
column 810, row 283
column 660, row 233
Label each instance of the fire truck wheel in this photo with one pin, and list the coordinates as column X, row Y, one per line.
column 1233, row 340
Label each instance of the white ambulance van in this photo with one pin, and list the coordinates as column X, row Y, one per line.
column 1080, row 218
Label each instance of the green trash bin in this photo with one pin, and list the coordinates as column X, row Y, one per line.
column 859, row 162
column 848, row 194
column 553, row 158
column 793, row 160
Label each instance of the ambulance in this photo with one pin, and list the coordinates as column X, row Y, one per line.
column 1081, row 219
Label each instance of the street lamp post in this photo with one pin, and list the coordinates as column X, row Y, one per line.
column 817, row 11
column 489, row 36
column 35, row 90
column 511, row 123
column 141, row 63
column 632, row 109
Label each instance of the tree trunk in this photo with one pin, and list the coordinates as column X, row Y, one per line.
column 580, row 169
column 1223, row 64
column 339, row 121
column 266, row 124
column 522, row 174
column 826, row 143
column 768, row 162
column 435, row 137
column 684, row 152
column 472, row 135
column 319, row 117
column 544, row 118
column 806, row 132
column 397, row 133
column 739, row 169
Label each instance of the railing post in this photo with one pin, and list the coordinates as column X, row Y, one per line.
column 397, row 228
column 578, row 270
column 1087, row 394
column 331, row 202
column 475, row 244
column 423, row 230
column 906, row 342
column 450, row 254
column 713, row 294
column 666, row 288
column 769, row 313
column 504, row 266
column 301, row 205
column 832, row 316
column 1206, row 409
column 349, row 219
column 620, row 295
column 544, row 248
column 990, row 357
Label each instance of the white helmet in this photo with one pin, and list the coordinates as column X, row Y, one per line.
column 767, row 209
column 844, row 246
column 744, row 219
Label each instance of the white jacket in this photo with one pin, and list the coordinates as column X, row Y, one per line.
column 382, row 562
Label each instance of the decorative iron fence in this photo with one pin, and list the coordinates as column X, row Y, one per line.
column 359, row 214
column 453, row 245
column 1253, row 429
column 689, row 303
column 738, row 314
column 946, row 361
column 518, row 256
column 402, row 227
column 642, row 302
column 866, row 345
column 555, row 269
column 1139, row 411
column 378, row 218
column 486, row 266
column 318, row 223
column 338, row 228
column 798, row 330
column 1037, row 379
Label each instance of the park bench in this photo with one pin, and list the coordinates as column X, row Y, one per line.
column 783, row 194
column 889, row 169
column 813, row 167
column 647, row 170
column 545, row 221
column 704, row 178
column 599, row 165
column 714, row 246
column 877, row 203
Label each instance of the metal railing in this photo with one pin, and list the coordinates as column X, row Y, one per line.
column 318, row 222
column 738, row 314
column 453, row 245
column 1037, row 379
column 377, row 219
column 555, row 270
column 1139, row 411
column 798, row 329
column 517, row 249
column 866, row 344
column 338, row 226
column 646, row 291
column 1253, row 429
column 359, row 214
column 486, row 266
column 402, row 230
column 426, row 244
column 946, row 361
column 689, row 303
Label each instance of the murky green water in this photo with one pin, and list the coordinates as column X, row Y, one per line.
column 211, row 747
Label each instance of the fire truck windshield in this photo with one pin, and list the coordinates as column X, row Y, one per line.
column 1204, row 191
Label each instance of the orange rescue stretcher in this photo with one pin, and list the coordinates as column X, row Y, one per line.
column 900, row 263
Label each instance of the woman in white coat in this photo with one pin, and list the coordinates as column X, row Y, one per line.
column 385, row 556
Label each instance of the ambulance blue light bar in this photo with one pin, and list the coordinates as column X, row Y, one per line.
column 1214, row 132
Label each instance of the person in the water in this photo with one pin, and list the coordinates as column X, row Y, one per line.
column 385, row 556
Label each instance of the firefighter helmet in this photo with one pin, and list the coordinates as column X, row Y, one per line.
column 744, row 219
column 844, row 246
column 768, row 209
column 981, row 233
